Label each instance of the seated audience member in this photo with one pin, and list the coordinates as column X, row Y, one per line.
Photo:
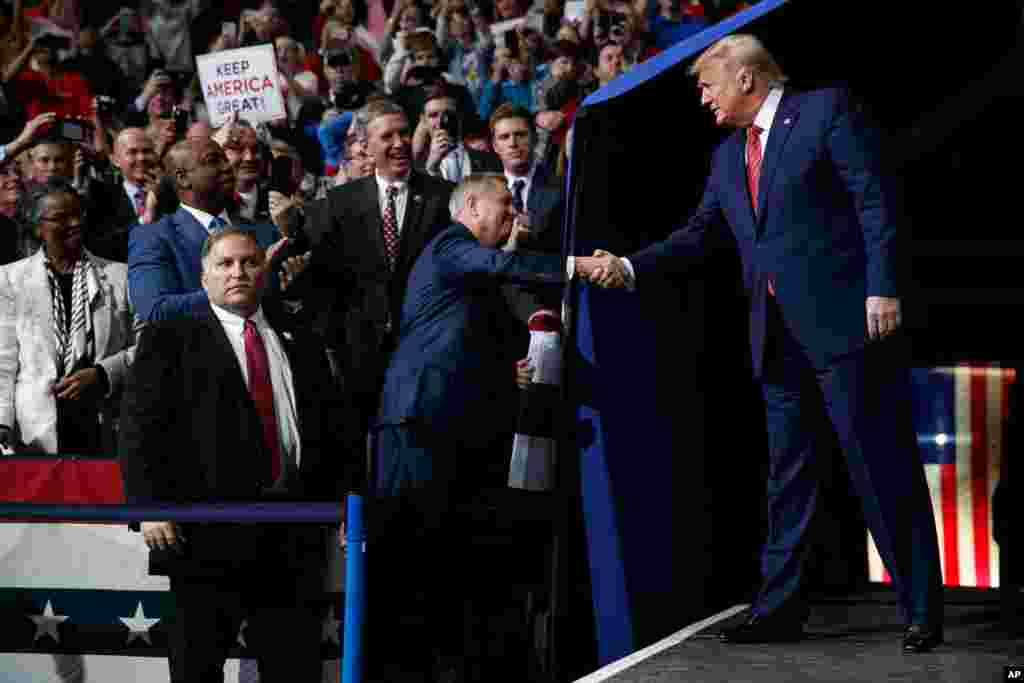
column 510, row 83
column 163, row 259
column 138, row 198
column 669, row 23
column 232, row 403
column 447, row 415
column 50, row 158
column 437, row 143
column 66, row 334
column 247, row 156
column 37, row 81
column 418, row 71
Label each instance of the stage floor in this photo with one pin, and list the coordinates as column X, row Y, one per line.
column 855, row 638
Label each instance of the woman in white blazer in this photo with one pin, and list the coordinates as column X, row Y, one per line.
column 66, row 334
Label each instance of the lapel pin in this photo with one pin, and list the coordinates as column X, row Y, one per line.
column 287, row 336
column 787, row 122
column 417, row 198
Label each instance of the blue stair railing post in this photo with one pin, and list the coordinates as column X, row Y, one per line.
column 355, row 599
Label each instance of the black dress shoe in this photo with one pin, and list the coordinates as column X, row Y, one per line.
column 921, row 638
column 765, row 629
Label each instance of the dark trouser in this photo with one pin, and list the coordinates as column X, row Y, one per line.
column 427, row 593
column 867, row 400
column 284, row 632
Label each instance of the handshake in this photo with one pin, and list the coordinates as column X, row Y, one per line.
column 604, row 269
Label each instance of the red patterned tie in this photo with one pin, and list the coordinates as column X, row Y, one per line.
column 753, row 162
column 391, row 226
column 754, row 176
column 140, row 202
column 262, row 392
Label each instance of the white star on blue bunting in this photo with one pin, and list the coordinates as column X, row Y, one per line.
column 138, row 625
column 47, row 623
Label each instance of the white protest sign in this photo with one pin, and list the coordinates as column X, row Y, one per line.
column 244, row 81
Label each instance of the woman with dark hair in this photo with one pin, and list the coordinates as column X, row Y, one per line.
column 66, row 334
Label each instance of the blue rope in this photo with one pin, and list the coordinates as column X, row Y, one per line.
column 195, row 512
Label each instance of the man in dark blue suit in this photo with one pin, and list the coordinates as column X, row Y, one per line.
column 800, row 185
column 449, row 391
column 445, row 425
column 164, row 266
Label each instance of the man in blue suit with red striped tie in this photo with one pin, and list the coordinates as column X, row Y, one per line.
column 801, row 186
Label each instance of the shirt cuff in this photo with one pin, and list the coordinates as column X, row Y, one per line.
column 631, row 279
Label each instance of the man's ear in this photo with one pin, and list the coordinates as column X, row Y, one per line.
column 746, row 80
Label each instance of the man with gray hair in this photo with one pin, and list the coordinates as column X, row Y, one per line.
column 802, row 186
column 448, row 411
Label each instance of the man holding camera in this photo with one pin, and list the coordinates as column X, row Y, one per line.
column 437, row 143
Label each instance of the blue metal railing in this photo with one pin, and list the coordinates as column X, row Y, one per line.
column 324, row 513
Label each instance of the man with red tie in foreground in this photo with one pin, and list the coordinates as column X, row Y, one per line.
column 801, row 186
column 234, row 406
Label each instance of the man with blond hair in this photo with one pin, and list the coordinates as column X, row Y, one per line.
column 802, row 187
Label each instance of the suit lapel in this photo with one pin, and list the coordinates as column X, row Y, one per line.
column 96, row 282
column 412, row 229
column 782, row 126
column 369, row 210
column 38, row 292
column 193, row 235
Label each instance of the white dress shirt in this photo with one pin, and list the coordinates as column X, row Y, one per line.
column 205, row 218
column 763, row 120
column 280, row 380
column 401, row 199
column 528, row 183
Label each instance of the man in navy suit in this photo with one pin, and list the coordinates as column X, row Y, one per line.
column 801, row 186
column 449, row 401
column 537, row 198
column 164, row 267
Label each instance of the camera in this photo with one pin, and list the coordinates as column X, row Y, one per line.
column 53, row 42
column 105, row 104
column 449, row 124
column 281, row 179
column 426, row 74
column 611, row 23
column 337, row 60
column 350, row 96
column 72, row 130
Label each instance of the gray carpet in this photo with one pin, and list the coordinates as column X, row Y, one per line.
column 852, row 639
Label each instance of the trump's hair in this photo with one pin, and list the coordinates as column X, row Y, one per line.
column 742, row 49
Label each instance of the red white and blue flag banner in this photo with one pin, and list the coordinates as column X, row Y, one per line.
column 76, row 601
column 960, row 414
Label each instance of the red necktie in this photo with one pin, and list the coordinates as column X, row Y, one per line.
column 391, row 226
column 140, row 202
column 754, row 176
column 262, row 392
column 753, row 162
